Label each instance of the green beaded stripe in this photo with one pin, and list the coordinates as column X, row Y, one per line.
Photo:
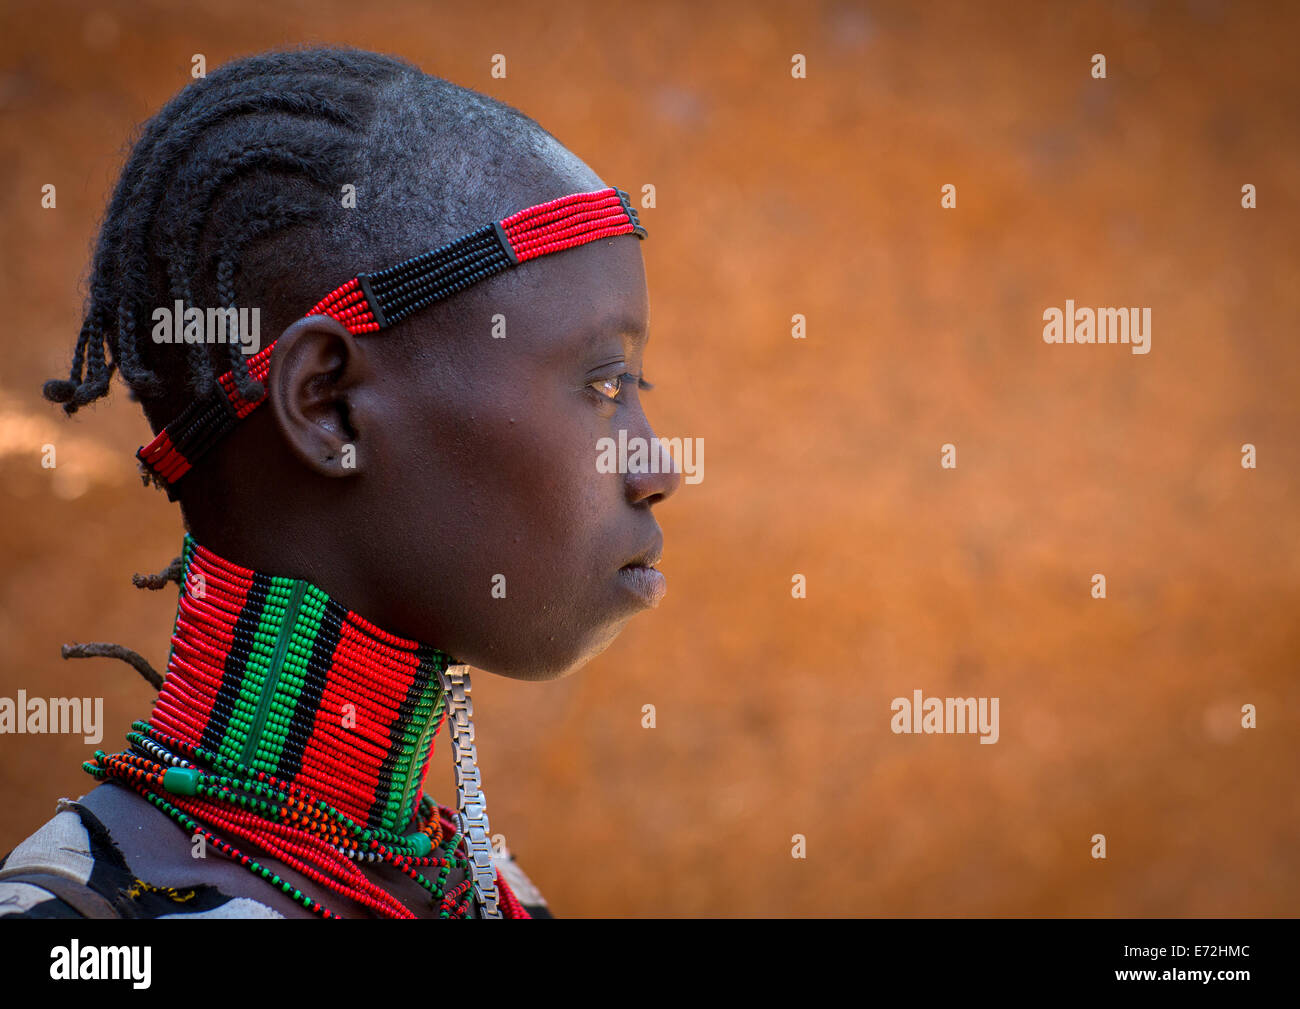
column 239, row 740
column 415, row 747
column 274, row 674
column 287, row 689
column 261, row 671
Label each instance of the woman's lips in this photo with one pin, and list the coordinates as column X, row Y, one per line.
column 644, row 582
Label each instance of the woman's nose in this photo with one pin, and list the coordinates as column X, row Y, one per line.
column 660, row 477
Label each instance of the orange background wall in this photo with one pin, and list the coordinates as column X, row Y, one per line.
column 818, row 196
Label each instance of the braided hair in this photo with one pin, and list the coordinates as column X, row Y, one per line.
column 232, row 193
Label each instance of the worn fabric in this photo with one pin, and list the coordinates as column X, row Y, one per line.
column 71, row 868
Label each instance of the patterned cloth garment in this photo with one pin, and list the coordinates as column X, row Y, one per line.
column 71, row 868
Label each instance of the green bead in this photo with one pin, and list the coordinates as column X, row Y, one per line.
column 181, row 780
column 422, row 844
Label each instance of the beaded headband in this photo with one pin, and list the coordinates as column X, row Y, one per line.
column 370, row 302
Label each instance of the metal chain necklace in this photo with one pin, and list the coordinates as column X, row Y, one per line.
column 470, row 801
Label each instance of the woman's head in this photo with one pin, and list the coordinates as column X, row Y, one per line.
column 439, row 477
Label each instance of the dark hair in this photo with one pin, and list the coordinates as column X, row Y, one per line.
column 235, row 187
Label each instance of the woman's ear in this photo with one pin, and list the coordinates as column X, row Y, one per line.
column 315, row 368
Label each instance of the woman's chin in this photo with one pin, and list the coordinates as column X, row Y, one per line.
column 552, row 659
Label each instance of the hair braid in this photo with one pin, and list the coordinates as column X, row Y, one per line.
column 231, row 196
column 163, row 169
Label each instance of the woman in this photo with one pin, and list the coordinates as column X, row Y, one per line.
column 402, row 484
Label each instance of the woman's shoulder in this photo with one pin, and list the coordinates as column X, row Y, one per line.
column 74, row 867
column 71, row 868
column 520, row 885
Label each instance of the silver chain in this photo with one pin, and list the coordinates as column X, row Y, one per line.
column 470, row 803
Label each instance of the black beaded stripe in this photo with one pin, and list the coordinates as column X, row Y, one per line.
column 411, row 285
column 217, row 419
column 303, row 722
column 232, row 674
column 199, row 426
column 638, row 228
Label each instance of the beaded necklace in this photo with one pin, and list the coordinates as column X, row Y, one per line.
column 296, row 727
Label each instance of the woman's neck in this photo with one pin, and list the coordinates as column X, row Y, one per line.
column 274, row 674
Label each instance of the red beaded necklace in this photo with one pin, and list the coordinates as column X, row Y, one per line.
column 304, row 731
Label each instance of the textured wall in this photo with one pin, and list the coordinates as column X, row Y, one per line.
column 817, row 196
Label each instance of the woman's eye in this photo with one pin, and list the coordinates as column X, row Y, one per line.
column 609, row 387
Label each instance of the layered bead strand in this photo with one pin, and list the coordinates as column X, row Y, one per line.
column 570, row 221
column 286, row 822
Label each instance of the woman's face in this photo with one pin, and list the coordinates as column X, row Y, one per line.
column 505, row 543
